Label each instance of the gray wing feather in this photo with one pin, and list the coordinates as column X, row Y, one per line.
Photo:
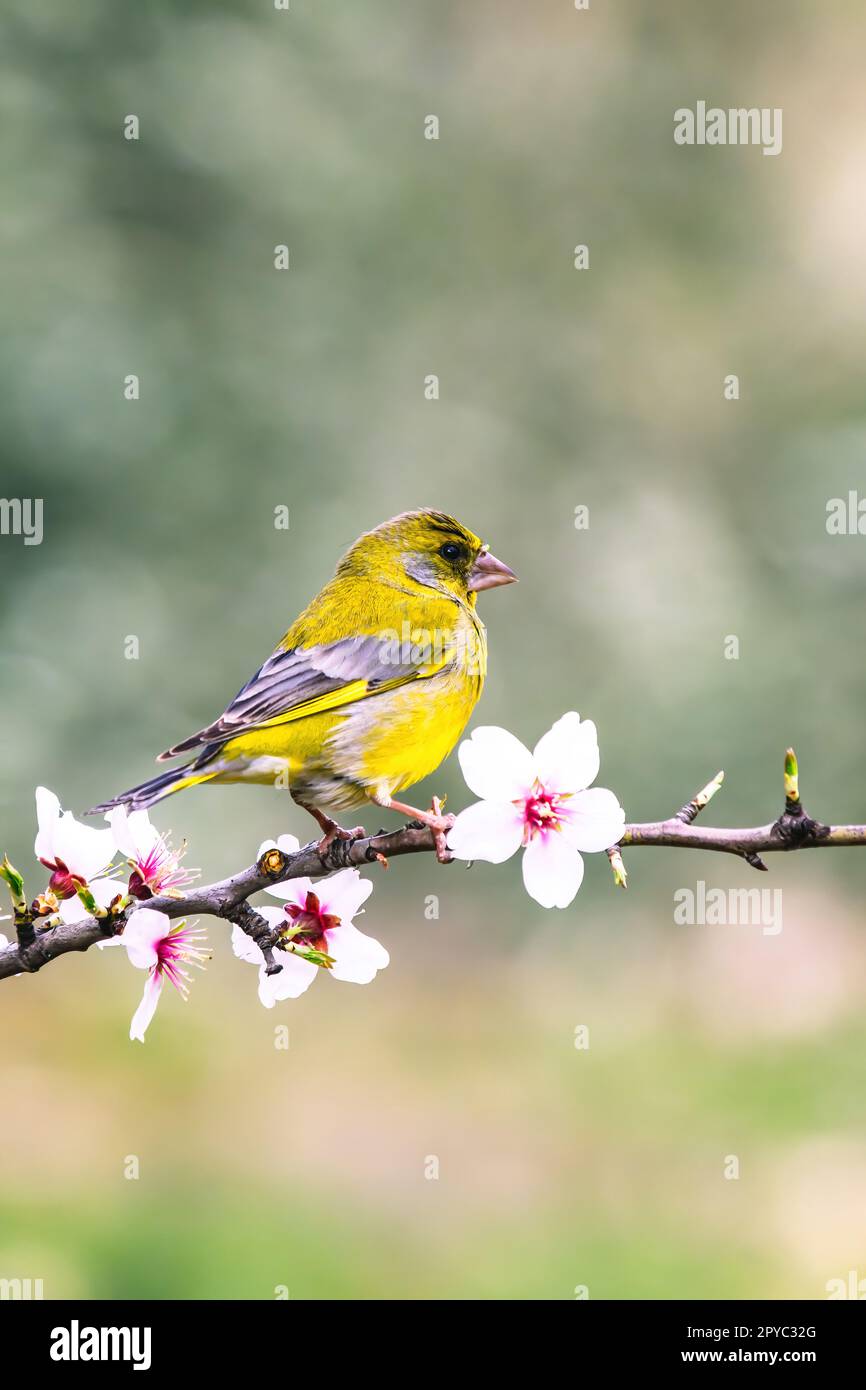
column 292, row 678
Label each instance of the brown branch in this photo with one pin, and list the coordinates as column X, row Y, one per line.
column 227, row 899
column 779, row 835
column 794, row 829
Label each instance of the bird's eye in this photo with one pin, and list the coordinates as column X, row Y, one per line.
column 450, row 551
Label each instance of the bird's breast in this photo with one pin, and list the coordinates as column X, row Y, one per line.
column 400, row 736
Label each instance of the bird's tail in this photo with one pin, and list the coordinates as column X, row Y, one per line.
column 158, row 787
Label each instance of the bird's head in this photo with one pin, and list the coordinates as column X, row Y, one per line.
column 432, row 549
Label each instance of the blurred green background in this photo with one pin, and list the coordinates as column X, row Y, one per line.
column 558, row 1167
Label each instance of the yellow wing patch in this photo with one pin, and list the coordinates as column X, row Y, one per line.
column 354, row 691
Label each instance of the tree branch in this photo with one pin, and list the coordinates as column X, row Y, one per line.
column 227, row 899
column 794, row 829
column 782, row 834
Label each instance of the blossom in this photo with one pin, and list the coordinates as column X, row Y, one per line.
column 315, row 919
column 155, row 865
column 539, row 801
column 76, row 854
column 153, row 943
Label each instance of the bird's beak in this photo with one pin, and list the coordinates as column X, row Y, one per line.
column 489, row 573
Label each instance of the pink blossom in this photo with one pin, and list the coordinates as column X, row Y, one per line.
column 76, row 855
column 153, row 943
column 538, row 801
column 156, row 866
column 314, row 918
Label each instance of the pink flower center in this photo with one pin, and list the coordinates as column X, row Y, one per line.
column 159, row 870
column 542, row 811
column 311, row 921
column 177, row 949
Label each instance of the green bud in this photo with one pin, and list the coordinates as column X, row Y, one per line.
column 620, row 877
column 708, row 792
column 325, row 962
column 15, row 883
column 87, row 898
column 792, row 777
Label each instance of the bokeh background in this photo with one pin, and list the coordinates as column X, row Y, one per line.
column 558, row 1167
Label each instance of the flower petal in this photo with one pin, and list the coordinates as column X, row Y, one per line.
column 133, row 833
column 490, row 830
column 145, row 928
column 342, row 894
column 592, row 820
column 47, row 816
column 295, row 977
column 567, row 757
column 273, row 915
column 294, row 890
column 147, row 1008
column 118, row 820
column 357, row 956
column 83, row 849
column 289, row 844
column 552, row 870
column 496, row 766
column 245, row 948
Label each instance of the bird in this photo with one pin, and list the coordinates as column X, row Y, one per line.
column 369, row 689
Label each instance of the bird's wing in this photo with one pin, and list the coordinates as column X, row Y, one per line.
column 308, row 680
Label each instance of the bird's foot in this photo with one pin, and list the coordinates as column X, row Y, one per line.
column 440, row 825
column 437, row 823
column 335, row 831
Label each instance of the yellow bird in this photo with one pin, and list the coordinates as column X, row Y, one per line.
column 370, row 688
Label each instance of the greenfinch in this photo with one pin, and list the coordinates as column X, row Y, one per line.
column 370, row 688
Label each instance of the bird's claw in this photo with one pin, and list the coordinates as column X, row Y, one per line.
column 338, row 832
column 439, row 826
